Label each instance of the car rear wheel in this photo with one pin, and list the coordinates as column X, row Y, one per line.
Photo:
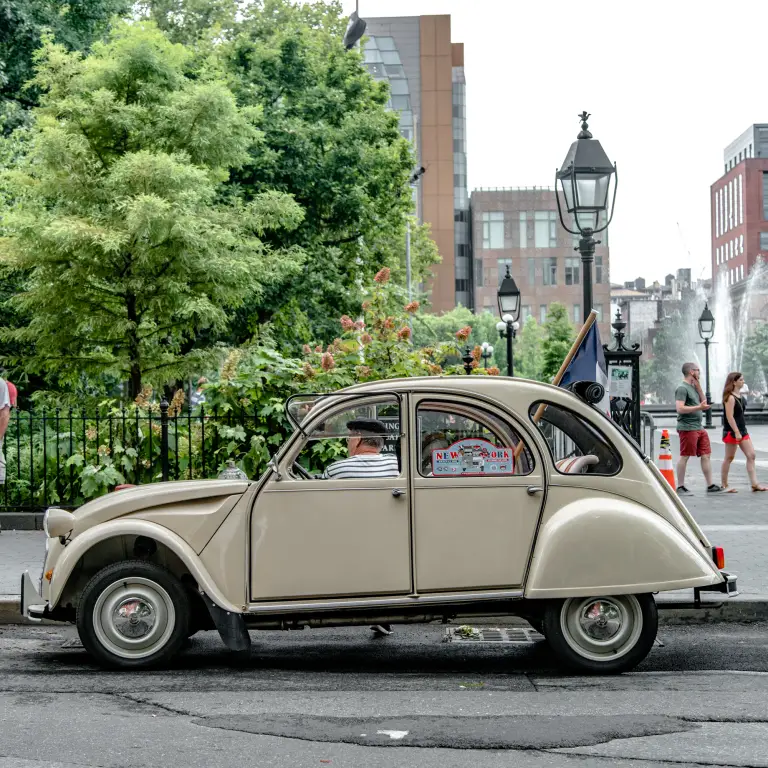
column 602, row 635
column 133, row 615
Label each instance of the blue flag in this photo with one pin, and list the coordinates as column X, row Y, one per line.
column 588, row 364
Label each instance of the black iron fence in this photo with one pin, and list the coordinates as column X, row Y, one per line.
column 67, row 456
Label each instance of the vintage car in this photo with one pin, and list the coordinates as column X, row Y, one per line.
column 493, row 497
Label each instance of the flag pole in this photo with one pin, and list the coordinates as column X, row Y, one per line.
column 588, row 323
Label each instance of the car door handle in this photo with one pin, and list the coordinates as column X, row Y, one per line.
column 534, row 489
column 398, row 492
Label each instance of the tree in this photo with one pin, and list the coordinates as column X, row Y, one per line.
column 130, row 253
column 329, row 140
column 529, row 351
column 75, row 24
column 559, row 337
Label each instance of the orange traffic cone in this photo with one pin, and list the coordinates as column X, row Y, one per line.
column 665, row 459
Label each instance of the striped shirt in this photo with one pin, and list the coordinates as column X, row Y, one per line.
column 363, row 466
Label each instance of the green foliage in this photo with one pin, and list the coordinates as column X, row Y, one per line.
column 529, row 351
column 75, row 24
column 559, row 338
column 130, row 254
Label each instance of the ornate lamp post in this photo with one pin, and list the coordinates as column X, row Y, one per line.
column 487, row 353
column 585, row 183
column 509, row 309
column 707, row 331
column 355, row 28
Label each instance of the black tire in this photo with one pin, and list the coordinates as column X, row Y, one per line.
column 602, row 635
column 153, row 622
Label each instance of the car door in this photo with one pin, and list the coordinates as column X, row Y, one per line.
column 476, row 505
column 319, row 538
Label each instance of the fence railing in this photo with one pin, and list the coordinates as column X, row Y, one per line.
column 66, row 456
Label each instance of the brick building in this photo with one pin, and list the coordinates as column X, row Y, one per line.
column 425, row 71
column 520, row 228
column 739, row 200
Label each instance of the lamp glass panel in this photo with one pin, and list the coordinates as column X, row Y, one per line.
column 567, row 186
column 508, row 304
column 592, row 190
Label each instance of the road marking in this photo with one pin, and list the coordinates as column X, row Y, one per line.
column 735, row 527
column 393, row 734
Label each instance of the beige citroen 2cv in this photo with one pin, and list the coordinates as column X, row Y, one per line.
column 412, row 500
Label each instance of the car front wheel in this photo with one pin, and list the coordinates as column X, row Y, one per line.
column 133, row 615
column 602, row 635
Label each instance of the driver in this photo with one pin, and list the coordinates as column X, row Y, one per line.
column 364, row 444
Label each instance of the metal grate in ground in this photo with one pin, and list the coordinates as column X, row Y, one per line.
column 475, row 635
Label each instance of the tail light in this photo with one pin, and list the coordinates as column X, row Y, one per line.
column 718, row 555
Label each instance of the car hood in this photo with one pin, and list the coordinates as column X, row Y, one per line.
column 153, row 496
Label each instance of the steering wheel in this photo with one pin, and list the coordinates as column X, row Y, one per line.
column 301, row 471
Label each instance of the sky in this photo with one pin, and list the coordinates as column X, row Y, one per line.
column 668, row 84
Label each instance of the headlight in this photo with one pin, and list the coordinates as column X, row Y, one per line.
column 58, row 523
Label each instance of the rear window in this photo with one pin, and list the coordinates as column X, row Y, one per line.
column 577, row 447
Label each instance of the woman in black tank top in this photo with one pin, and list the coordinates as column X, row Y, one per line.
column 735, row 433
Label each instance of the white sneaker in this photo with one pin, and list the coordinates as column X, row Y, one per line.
column 382, row 629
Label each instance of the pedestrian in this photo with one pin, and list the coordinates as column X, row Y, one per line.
column 694, row 441
column 198, row 396
column 735, row 433
column 5, row 417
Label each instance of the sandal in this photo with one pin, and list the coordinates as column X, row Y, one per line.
column 728, row 489
column 756, row 488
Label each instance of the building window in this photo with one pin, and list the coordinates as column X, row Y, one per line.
column 503, row 264
column 493, row 229
column 599, row 269
column 527, row 312
column 542, row 313
column 478, row 273
column 717, row 218
column 572, row 270
column 741, row 198
column 717, row 255
column 599, row 309
column 545, row 233
column 550, row 270
column 523, row 229
column 722, row 211
column 577, row 313
column 765, row 195
column 741, row 243
column 531, row 271
column 741, row 270
column 764, row 241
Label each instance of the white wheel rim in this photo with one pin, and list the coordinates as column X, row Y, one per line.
column 602, row 628
column 134, row 618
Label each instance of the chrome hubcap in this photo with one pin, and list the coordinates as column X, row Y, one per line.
column 600, row 620
column 601, row 629
column 134, row 618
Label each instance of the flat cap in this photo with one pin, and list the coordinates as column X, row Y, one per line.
column 372, row 426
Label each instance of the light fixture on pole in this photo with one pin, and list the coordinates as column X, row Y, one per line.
column 509, row 308
column 707, row 331
column 585, row 183
column 355, row 28
column 487, row 353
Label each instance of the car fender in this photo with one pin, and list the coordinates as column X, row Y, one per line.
column 611, row 546
column 76, row 548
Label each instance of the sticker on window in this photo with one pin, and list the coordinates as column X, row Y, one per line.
column 472, row 456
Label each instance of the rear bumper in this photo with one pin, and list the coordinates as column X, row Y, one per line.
column 33, row 606
column 726, row 588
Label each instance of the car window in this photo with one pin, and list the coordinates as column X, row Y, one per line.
column 354, row 441
column 577, row 447
column 455, row 441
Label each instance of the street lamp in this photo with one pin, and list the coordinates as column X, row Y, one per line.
column 509, row 308
column 355, row 29
column 487, row 353
column 707, row 331
column 585, row 182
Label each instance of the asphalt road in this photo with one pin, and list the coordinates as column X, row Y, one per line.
column 343, row 699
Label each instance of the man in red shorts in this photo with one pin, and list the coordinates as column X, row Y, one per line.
column 694, row 441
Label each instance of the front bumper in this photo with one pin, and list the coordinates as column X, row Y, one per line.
column 33, row 606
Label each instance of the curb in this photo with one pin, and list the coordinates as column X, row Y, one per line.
column 730, row 612
column 21, row 521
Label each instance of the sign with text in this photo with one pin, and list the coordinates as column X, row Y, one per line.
column 472, row 456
